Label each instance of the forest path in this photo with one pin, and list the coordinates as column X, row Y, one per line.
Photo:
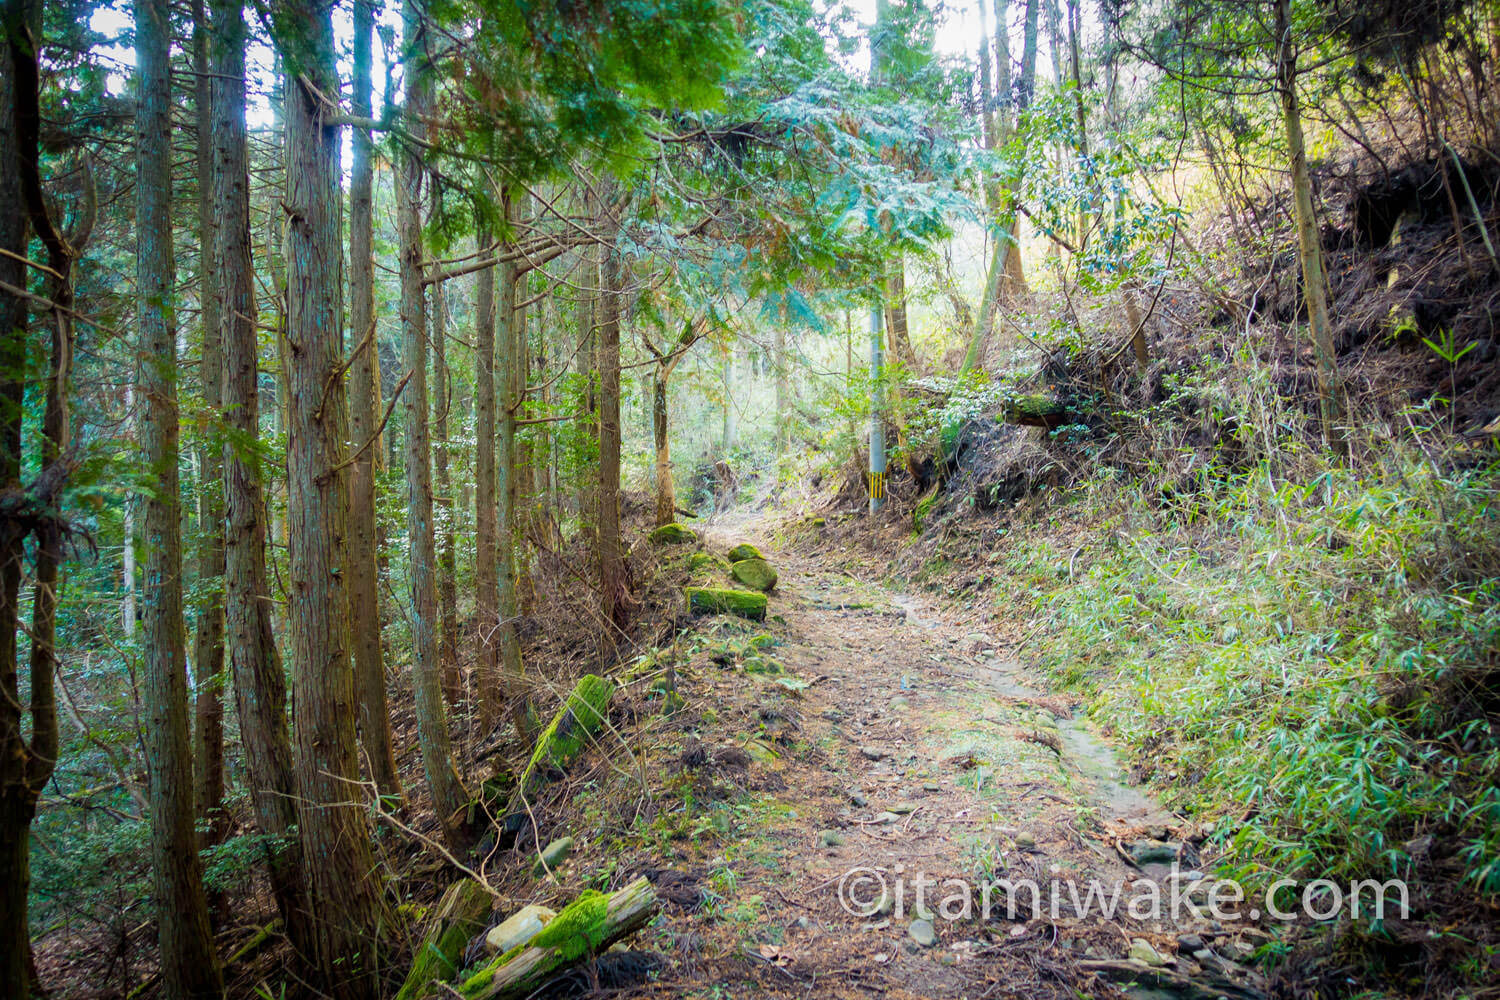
column 920, row 751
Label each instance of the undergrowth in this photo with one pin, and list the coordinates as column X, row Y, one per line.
column 1308, row 662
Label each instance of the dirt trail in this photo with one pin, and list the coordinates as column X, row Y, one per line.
column 922, row 750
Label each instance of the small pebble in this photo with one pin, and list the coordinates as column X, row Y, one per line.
column 923, row 933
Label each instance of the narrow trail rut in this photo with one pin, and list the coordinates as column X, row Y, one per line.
column 931, row 765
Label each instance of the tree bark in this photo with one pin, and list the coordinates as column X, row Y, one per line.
column 666, row 492
column 25, row 768
column 614, row 590
column 1004, row 275
column 1054, row 47
column 344, row 885
column 208, row 640
column 444, row 512
column 548, row 358
column 895, row 314
column 364, row 417
column 486, row 510
column 586, row 364
column 448, row 794
column 190, row 967
column 1075, row 63
column 731, row 436
column 523, row 482
column 1130, row 293
column 986, row 93
column 512, row 668
column 783, row 389
column 259, row 684
column 18, row 798
column 1310, row 249
column 666, row 364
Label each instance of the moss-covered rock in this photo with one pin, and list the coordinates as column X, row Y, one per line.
column 754, row 573
column 707, row 562
column 769, row 665
column 744, row 550
column 673, row 534
column 664, row 690
column 723, row 601
column 567, row 734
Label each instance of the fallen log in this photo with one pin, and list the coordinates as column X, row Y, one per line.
column 1128, row 972
column 570, row 730
column 584, row 928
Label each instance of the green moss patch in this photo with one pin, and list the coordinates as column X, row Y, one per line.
column 673, row 534
column 717, row 601
column 707, row 562
column 579, row 929
column 744, row 550
column 569, row 731
column 754, row 573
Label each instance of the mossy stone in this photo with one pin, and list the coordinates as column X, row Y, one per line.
column 763, row 665
column 673, row 534
column 744, row 550
column 723, row 601
column 755, row 573
column 552, row 856
column 701, row 561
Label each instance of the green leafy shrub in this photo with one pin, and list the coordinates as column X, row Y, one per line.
column 1318, row 658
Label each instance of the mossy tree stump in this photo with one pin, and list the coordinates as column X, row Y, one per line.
column 460, row 915
column 1036, row 411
